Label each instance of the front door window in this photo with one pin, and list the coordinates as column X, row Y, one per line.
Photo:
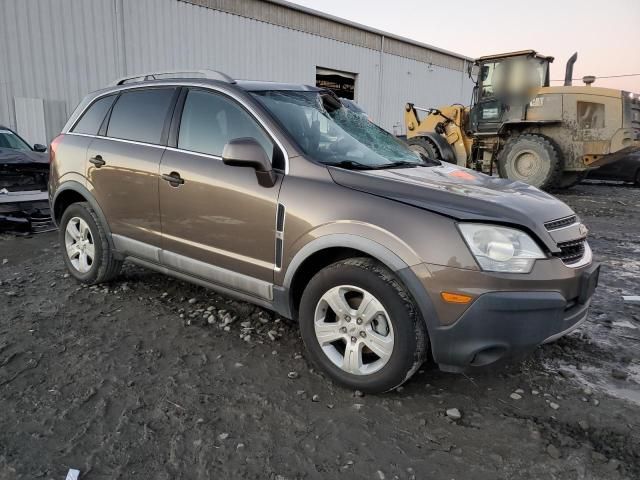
column 210, row 121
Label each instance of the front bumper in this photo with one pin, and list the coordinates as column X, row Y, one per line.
column 25, row 212
column 504, row 325
column 508, row 318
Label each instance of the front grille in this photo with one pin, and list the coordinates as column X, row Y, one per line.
column 561, row 222
column 41, row 222
column 571, row 252
column 26, row 217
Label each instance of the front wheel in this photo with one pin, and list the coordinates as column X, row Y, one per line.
column 361, row 327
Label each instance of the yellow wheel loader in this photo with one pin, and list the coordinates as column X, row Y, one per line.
column 523, row 129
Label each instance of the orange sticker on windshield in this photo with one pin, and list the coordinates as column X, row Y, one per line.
column 462, row 174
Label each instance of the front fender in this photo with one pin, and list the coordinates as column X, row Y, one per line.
column 387, row 256
column 343, row 240
column 370, row 239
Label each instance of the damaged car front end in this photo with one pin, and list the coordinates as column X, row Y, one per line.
column 24, row 173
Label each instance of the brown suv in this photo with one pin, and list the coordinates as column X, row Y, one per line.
column 278, row 195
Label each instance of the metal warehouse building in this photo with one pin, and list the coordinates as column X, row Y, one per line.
column 55, row 51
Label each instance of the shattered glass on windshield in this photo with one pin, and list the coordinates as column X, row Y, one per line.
column 334, row 135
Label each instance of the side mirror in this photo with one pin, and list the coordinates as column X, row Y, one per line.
column 38, row 147
column 247, row 152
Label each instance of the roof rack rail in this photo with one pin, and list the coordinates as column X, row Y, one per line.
column 146, row 77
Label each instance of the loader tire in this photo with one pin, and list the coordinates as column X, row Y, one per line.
column 424, row 147
column 533, row 159
column 570, row 179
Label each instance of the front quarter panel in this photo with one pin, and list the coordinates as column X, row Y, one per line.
column 317, row 210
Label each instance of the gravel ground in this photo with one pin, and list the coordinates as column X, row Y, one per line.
column 152, row 378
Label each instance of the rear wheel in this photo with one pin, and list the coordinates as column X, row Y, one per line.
column 361, row 327
column 85, row 247
column 423, row 146
column 533, row 159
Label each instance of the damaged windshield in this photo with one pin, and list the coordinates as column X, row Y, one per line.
column 334, row 135
column 10, row 140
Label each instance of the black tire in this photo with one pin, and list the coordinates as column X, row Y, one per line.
column 637, row 182
column 570, row 179
column 104, row 266
column 533, row 159
column 410, row 341
column 425, row 147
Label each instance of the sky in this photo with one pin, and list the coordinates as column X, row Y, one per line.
column 605, row 33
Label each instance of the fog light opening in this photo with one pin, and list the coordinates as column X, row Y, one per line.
column 488, row 356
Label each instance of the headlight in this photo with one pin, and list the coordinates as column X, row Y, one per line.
column 501, row 249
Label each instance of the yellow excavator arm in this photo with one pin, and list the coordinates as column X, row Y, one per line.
column 447, row 122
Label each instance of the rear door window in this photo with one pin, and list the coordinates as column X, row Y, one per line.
column 140, row 115
column 90, row 122
column 210, row 121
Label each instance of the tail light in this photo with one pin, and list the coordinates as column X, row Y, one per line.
column 53, row 146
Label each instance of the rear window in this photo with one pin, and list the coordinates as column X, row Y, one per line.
column 140, row 115
column 92, row 119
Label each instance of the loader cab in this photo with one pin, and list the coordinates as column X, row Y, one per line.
column 503, row 86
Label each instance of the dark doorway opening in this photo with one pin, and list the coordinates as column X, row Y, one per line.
column 343, row 84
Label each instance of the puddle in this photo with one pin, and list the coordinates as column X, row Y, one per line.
column 624, row 324
column 600, row 380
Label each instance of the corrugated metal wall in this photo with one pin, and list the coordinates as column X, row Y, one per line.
column 30, row 119
column 277, row 14
column 59, row 50
column 422, row 84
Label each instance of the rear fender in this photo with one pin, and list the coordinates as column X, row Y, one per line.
column 74, row 186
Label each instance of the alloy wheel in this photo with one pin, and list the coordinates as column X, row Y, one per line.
column 79, row 244
column 354, row 330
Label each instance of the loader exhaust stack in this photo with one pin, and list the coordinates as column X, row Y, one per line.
column 568, row 74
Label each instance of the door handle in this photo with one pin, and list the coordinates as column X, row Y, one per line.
column 173, row 178
column 97, row 161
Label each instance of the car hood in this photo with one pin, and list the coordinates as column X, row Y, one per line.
column 461, row 194
column 11, row 156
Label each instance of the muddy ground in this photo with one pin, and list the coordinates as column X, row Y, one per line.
column 132, row 380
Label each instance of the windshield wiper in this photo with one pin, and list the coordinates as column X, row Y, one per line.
column 352, row 165
column 401, row 164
